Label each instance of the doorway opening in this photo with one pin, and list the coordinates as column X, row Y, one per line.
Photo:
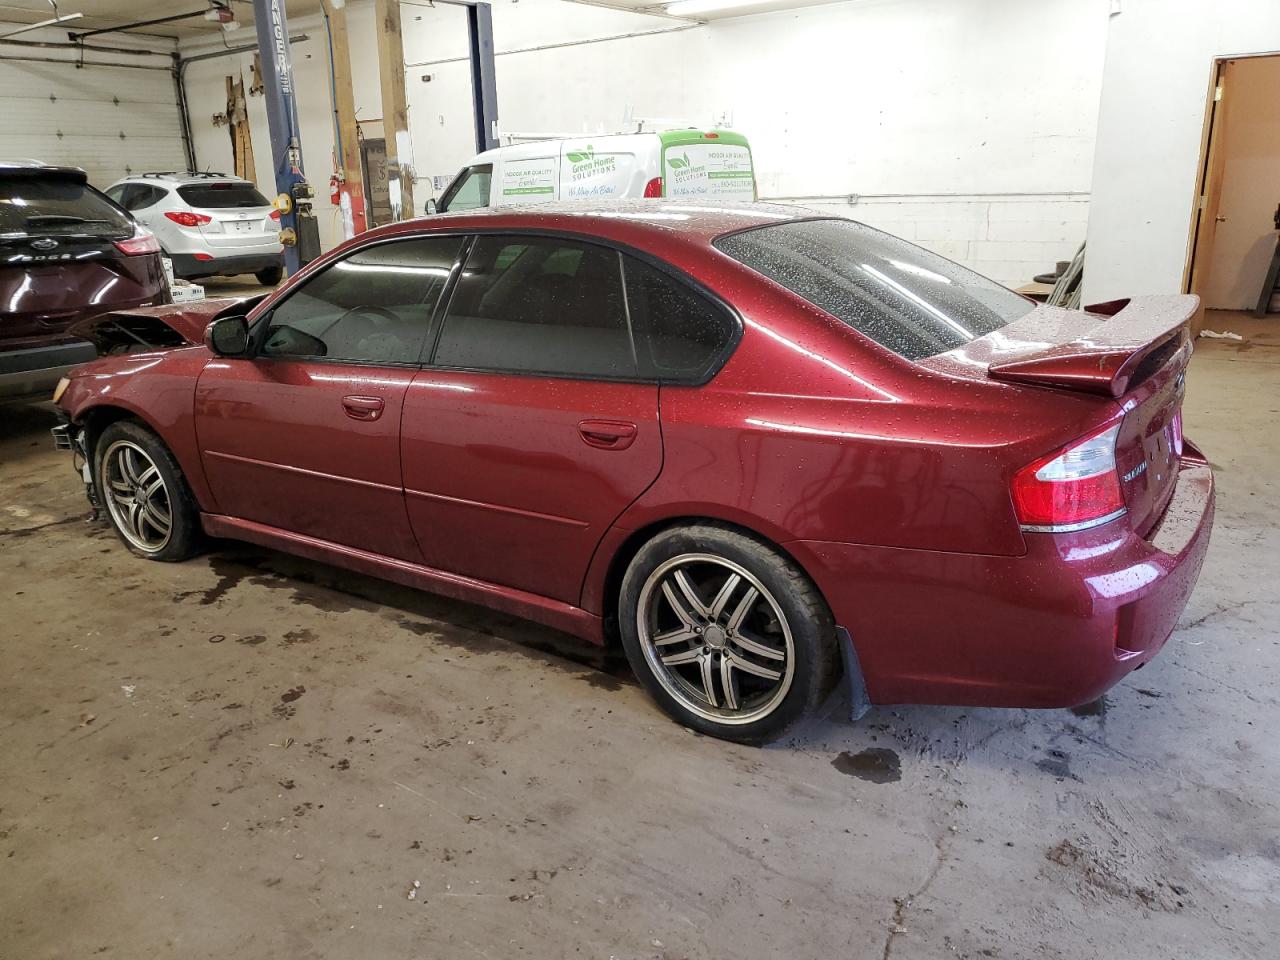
column 1233, row 257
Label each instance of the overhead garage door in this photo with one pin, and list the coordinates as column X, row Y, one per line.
column 111, row 121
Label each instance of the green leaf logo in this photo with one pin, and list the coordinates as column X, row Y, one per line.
column 680, row 163
column 581, row 156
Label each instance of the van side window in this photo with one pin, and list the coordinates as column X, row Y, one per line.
column 680, row 334
column 470, row 191
column 373, row 307
column 539, row 305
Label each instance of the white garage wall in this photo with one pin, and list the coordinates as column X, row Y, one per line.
column 963, row 125
column 1149, row 130
column 110, row 120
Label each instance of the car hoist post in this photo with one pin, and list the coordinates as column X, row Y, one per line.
column 299, row 231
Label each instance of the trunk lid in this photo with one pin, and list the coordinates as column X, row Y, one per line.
column 1134, row 352
column 239, row 216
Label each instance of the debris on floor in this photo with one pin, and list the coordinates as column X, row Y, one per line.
column 1215, row 335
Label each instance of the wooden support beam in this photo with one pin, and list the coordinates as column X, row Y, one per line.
column 395, row 113
column 347, row 146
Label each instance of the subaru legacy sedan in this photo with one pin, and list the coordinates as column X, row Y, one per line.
column 761, row 448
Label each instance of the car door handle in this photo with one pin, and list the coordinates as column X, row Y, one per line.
column 608, row 434
column 363, row 408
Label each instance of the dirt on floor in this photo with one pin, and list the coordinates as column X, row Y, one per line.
column 248, row 755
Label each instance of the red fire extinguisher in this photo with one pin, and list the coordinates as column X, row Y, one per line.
column 335, row 190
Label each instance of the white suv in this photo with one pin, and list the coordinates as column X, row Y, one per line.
column 209, row 224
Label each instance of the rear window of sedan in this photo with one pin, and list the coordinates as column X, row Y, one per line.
column 222, row 195
column 57, row 204
column 903, row 297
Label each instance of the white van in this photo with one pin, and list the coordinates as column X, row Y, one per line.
column 675, row 163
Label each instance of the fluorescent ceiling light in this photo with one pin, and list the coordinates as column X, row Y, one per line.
column 686, row 8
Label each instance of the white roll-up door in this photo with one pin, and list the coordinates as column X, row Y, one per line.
column 111, row 121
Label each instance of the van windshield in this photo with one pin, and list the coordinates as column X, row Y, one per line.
column 903, row 297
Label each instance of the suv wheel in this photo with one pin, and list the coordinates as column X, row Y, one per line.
column 731, row 638
column 145, row 494
column 270, row 276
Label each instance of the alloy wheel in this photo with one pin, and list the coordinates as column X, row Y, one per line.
column 136, row 496
column 715, row 638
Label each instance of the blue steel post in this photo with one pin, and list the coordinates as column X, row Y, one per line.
column 484, row 84
column 282, row 116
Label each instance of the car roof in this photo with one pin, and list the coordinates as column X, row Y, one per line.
column 182, row 178
column 37, row 166
column 626, row 221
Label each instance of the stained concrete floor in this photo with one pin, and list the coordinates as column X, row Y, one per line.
column 247, row 755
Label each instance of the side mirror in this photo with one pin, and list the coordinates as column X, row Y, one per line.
column 430, row 206
column 228, row 336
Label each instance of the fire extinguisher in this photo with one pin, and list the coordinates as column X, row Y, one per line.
column 335, row 190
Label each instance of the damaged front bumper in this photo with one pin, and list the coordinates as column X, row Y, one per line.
column 68, row 436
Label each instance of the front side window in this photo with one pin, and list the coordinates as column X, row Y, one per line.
column 539, row 305
column 470, row 191
column 373, row 307
column 903, row 297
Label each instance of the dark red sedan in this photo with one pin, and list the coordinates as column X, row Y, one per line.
column 758, row 445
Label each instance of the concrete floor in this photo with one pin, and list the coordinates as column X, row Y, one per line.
column 251, row 756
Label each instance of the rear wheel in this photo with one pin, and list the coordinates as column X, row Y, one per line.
column 730, row 637
column 270, row 276
column 144, row 493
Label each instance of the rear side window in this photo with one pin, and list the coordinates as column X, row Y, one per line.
column 136, row 196
column 905, row 298
column 470, row 191
column 222, row 195
column 680, row 334
column 50, row 204
column 373, row 307
column 539, row 305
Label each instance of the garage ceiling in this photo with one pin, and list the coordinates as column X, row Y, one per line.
column 705, row 9
column 110, row 13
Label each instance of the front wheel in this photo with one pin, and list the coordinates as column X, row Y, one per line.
column 730, row 637
column 142, row 487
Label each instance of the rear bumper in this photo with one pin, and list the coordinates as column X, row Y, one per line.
column 31, row 372
column 186, row 266
column 1055, row 627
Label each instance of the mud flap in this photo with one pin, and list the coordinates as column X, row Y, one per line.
column 854, row 684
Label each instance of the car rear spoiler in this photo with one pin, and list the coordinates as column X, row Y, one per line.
column 153, row 328
column 1108, row 357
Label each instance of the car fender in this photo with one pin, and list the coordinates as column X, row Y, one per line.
column 156, row 388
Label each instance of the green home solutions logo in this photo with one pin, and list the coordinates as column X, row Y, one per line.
column 681, row 162
column 584, row 164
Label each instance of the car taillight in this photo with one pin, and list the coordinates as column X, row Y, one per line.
column 137, row 246
column 653, row 188
column 1072, row 488
column 274, row 215
column 186, row 218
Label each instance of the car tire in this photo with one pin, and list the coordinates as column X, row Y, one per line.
column 729, row 636
column 270, row 276
column 144, row 494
